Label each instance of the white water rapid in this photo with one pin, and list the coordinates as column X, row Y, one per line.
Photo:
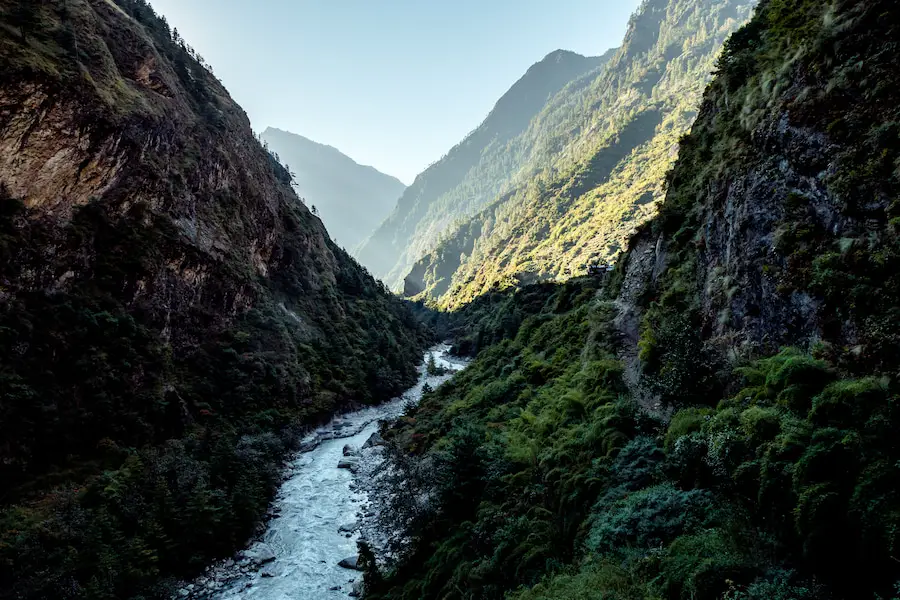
column 297, row 557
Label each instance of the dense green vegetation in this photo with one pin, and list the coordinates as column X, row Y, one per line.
column 773, row 472
column 592, row 164
column 517, row 440
column 551, row 483
column 549, row 476
column 151, row 382
column 473, row 172
column 142, row 432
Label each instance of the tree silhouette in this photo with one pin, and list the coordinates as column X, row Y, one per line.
column 24, row 16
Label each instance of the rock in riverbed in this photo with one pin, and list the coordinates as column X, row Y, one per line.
column 351, row 562
column 260, row 554
column 267, row 572
column 374, row 440
column 349, row 462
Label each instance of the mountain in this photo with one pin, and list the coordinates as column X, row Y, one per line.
column 171, row 315
column 716, row 418
column 602, row 149
column 472, row 173
column 352, row 199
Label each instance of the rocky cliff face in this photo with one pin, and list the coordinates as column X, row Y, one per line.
column 168, row 307
column 778, row 222
column 132, row 130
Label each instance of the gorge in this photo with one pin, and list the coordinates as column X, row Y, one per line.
column 185, row 351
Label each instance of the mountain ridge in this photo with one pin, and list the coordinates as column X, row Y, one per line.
column 350, row 197
column 716, row 418
column 406, row 232
column 612, row 140
column 336, row 151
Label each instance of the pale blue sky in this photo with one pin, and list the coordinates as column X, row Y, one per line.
column 391, row 83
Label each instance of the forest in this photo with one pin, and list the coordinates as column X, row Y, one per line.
column 591, row 166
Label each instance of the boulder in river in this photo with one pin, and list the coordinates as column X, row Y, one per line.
column 374, row 440
column 267, row 572
column 351, row 562
column 348, row 528
column 357, row 589
column 260, row 554
column 349, row 463
column 349, row 450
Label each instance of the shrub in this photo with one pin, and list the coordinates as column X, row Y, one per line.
column 697, row 567
column 684, row 422
column 849, row 401
column 603, row 581
column 650, row 517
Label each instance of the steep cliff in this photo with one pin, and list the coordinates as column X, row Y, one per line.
column 352, row 199
column 718, row 419
column 473, row 172
column 778, row 224
column 608, row 143
column 169, row 310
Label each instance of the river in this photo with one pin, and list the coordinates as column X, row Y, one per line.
column 297, row 557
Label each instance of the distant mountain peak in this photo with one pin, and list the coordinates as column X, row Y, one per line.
column 352, row 198
column 272, row 133
column 561, row 54
column 397, row 244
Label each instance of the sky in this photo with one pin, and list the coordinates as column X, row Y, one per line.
column 392, row 83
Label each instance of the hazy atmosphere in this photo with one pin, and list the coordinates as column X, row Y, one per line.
column 393, row 84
